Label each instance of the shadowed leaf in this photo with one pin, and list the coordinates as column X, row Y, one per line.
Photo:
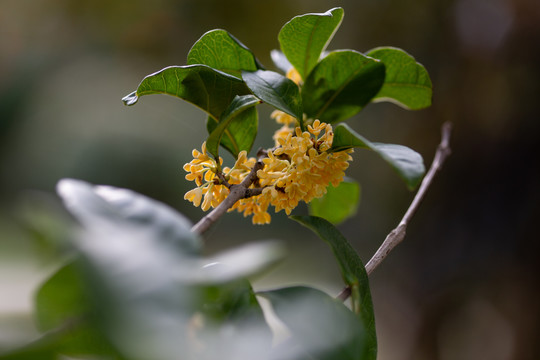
column 236, row 129
column 341, row 85
column 276, row 90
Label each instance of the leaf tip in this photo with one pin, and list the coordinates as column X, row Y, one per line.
column 130, row 99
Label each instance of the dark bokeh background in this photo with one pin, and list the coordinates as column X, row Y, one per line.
column 464, row 284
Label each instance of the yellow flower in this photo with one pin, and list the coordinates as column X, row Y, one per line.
column 256, row 206
column 283, row 118
column 281, row 134
column 241, row 168
column 194, row 195
column 202, row 168
column 294, row 75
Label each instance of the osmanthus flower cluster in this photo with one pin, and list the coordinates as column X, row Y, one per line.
column 299, row 168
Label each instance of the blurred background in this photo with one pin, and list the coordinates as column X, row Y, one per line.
column 463, row 285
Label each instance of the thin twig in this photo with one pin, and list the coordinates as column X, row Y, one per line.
column 344, row 294
column 236, row 192
column 398, row 234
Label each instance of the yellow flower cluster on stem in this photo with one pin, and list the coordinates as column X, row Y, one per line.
column 299, row 168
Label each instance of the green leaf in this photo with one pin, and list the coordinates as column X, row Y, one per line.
column 222, row 51
column 60, row 298
column 276, row 90
column 406, row 162
column 107, row 207
column 207, row 88
column 323, row 327
column 305, row 37
column 407, row 82
column 353, row 273
column 341, row 85
column 339, row 203
column 237, row 127
column 62, row 303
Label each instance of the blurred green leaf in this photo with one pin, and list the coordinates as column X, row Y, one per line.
column 406, row 162
column 339, row 203
column 280, row 60
column 241, row 262
column 237, row 127
column 62, row 303
column 323, row 327
column 207, row 88
column 145, row 293
column 341, row 85
column 42, row 350
column 222, row 51
column 305, row 37
column 104, row 207
column 230, row 323
column 60, row 298
column 353, row 273
column 276, row 90
column 407, row 82
column 233, row 302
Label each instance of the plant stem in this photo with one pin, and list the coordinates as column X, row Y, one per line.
column 397, row 235
column 236, row 192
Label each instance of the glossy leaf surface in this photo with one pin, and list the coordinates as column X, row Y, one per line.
column 322, row 326
column 222, row 51
column 304, row 38
column 207, row 88
column 276, row 90
column 339, row 203
column 407, row 82
column 237, row 127
column 406, row 162
column 341, row 85
column 353, row 274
